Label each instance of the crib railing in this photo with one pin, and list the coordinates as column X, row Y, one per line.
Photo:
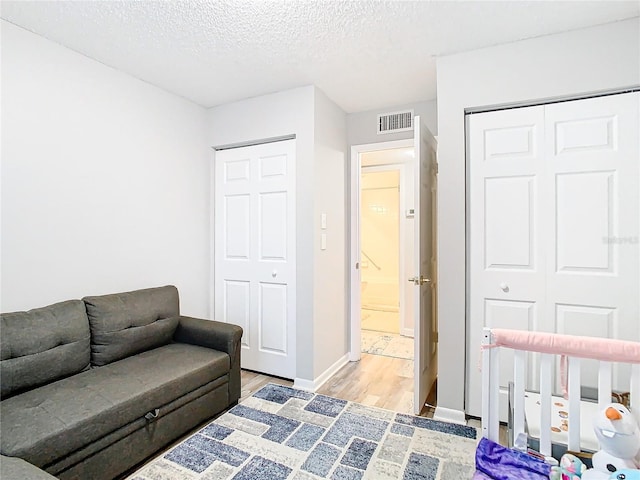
column 571, row 349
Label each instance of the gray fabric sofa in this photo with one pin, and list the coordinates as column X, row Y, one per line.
column 92, row 387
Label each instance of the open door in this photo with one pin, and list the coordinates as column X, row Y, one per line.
column 425, row 326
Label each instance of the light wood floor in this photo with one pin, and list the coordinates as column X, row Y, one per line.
column 378, row 381
column 375, row 380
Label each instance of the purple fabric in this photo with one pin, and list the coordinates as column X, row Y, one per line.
column 480, row 476
column 501, row 463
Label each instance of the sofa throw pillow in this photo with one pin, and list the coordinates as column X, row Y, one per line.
column 123, row 324
column 42, row 345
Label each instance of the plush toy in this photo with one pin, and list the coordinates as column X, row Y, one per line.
column 619, row 436
column 625, row 475
column 570, row 468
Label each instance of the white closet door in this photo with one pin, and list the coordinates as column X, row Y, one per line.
column 553, row 226
column 505, row 252
column 255, row 252
column 592, row 269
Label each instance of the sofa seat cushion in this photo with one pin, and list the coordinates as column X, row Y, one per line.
column 45, row 424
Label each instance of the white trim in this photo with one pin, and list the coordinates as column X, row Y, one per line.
column 450, row 415
column 304, row 384
column 407, row 332
column 551, row 100
column 212, row 237
column 354, row 258
column 314, row 385
column 355, row 300
column 251, row 143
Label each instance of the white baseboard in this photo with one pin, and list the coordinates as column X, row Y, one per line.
column 314, row 385
column 406, row 332
column 304, row 384
column 450, row 415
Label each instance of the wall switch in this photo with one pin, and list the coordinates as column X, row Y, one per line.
column 323, row 221
column 323, row 241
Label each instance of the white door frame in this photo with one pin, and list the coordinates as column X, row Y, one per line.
column 355, row 301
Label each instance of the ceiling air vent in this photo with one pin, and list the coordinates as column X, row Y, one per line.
column 395, row 122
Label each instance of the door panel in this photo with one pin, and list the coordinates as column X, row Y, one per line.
column 576, row 215
column 593, row 172
column 593, row 321
column 238, row 229
column 272, row 320
column 236, row 306
column 425, row 347
column 509, row 232
column 585, row 216
column 255, row 252
column 273, row 226
column 505, row 254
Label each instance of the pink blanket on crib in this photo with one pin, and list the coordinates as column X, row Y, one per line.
column 573, row 346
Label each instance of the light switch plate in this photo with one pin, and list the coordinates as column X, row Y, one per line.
column 323, row 221
column 323, row 241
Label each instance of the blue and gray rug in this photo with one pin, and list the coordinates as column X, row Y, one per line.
column 283, row 433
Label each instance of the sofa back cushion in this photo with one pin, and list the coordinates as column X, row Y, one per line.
column 123, row 324
column 43, row 345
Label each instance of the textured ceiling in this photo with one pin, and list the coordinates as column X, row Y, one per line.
column 363, row 54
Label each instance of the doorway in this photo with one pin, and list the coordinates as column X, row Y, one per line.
column 421, row 276
column 386, row 322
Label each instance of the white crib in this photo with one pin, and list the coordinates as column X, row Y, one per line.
column 571, row 349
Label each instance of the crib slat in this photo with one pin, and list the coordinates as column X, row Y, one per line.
column 604, row 384
column 519, row 379
column 546, row 362
column 635, row 390
column 494, row 396
column 490, row 389
column 574, row 404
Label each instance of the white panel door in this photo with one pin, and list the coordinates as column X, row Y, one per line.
column 593, row 263
column 255, row 252
column 425, row 340
column 506, row 266
column 553, row 224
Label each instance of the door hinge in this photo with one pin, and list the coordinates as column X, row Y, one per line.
column 437, row 168
column 435, row 337
column 421, row 280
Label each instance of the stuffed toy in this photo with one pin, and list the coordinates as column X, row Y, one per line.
column 625, row 475
column 619, row 436
column 570, row 468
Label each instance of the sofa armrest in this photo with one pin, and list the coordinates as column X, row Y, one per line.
column 224, row 337
column 14, row 468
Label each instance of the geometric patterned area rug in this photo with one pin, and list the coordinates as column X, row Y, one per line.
column 387, row 344
column 283, row 433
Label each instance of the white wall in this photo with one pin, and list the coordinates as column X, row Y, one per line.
column 331, row 327
column 319, row 127
column 104, row 181
column 581, row 61
column 269, row 116
column 361, row 126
